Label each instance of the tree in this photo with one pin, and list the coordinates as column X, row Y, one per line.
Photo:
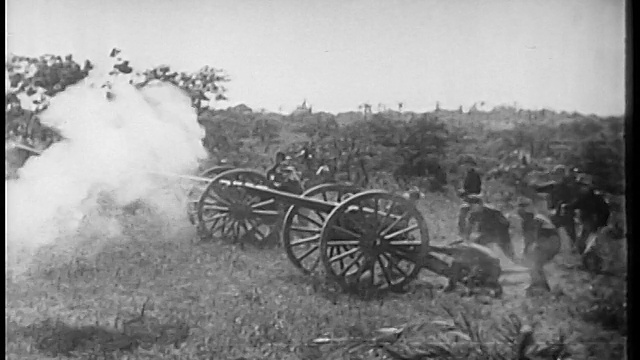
column 422, row 150
column 204, row 86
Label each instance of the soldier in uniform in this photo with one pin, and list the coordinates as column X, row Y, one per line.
column 274, row 173
column 492, row 225
column 284, row 176
column 472, row 186
column 474, row 265
column 562, row 191
column 541, row 241
column 593, row 209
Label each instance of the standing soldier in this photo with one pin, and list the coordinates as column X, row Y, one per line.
column 492, row 225
column 472, row 186
column 541, row 243
column 562, row 191
column 274, row 174
column 594, row 211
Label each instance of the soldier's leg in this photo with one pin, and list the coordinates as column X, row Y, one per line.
column 569, row 224
column 505, row 244
column 588, row 227
column 462, row 219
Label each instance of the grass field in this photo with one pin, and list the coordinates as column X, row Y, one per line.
column 156, row 293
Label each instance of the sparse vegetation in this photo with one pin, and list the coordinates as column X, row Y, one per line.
column 156, row 293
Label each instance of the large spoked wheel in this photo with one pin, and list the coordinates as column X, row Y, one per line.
column 227, row 211
column 216, row 170
column 194, row 192
column 374, row 241
column 302, row 227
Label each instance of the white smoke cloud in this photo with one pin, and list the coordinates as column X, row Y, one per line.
column 110, row 146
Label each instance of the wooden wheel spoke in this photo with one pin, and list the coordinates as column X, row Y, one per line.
column 234, row 230
column 224, row 219
column 390, row 261
column 394, row 224
column 244, row 227
column 348, row 267
column 309, row 252
column 263, row 203
column 372, row 269
column 255, row 229
column 223, row 230
column 309, row 219
column 322, row 217
column 213, row 226
column 306, row 229
column 343, row 243
column 386, row 214
column 347, row 231
column 310, row 239
column 361, row 270
column 214, row 217
column 402, row 254
column 384, row 269
column 403, row 243
column 343, row 255
column 205, row 202
column 213, row 207
column 401, row 232
column 265, row 212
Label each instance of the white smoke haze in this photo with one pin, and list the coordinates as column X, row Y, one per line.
column 110, row 147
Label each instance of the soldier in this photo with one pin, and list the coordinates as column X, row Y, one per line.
column 541, row 241
column 284, row 176
column 472, row 186
column 473, row 265
column 594, row 211
column 274, row 172
column 472, row 182
column 492, row 225
column 562, row 191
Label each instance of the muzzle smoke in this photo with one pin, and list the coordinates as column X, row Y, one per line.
column 111, row 147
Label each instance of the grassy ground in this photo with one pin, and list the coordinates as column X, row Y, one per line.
column 154, row 293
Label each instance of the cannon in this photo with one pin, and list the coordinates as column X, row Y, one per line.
column 351, row 233
column 372, row 239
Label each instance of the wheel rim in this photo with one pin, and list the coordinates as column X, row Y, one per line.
column 192, row 194
column 302, row 227
column 385, row 239
column 230, row 212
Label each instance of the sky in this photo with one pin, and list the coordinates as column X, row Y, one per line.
column 556, row 54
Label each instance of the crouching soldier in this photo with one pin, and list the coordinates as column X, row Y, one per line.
column 473, row 265
column 542, row 243
column 492, row 225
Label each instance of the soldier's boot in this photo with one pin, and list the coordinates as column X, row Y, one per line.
column 539, row 280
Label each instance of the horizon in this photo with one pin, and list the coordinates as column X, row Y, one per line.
column 532, row 55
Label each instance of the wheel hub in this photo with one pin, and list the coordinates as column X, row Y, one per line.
column 240, row 211
column 370, row 243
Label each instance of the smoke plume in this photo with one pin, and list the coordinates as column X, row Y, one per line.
column 111, row 149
